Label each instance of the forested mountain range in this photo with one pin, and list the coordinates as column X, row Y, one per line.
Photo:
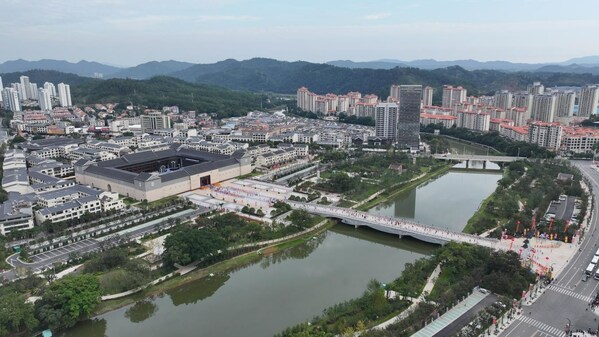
column 268, row 75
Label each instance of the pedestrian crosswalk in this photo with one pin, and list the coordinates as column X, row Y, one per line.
column 542, row 326
column 570, row 293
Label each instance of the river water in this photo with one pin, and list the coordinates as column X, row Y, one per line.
column 294, row 285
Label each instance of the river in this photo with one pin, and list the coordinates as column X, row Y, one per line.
column 295, row 285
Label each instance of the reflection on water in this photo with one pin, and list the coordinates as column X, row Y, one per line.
column 264, row 298
column 478, row 165
column 447, row 202
column 141, row 311
column 298, row 252
column 196, row 291
column 96, row 327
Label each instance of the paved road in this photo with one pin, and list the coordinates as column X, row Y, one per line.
column 568, row 296
column 47, row 259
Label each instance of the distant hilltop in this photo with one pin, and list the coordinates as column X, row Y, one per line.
column 586, row 64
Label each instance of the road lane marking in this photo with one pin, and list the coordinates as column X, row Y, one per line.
column 542, row 326
column 570, row 293
column 514, row 327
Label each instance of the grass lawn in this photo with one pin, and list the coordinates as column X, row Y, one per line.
column 162, row 202
column 345, row 203
column 363, row 191
column 254, row 173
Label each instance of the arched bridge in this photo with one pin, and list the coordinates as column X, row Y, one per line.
column 399, row 227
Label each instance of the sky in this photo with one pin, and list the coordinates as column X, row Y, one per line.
column 129, row 32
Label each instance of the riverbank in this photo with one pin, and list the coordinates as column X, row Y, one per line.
column 393, row 191
column 479, row 214
column 217, row 268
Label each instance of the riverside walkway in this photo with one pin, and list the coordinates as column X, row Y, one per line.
column 400, row 227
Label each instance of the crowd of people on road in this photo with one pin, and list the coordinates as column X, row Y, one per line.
column 409, row 227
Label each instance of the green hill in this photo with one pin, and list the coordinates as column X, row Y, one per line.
column 285, row 77
column 40, row 76
column 166, row 91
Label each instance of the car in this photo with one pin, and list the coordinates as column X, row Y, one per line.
column 585, row 278
column 483, row 290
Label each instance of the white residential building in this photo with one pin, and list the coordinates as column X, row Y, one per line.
column 548, row 135
column 564, row 103
column 543, row 108
column 64, row 95
column 453, row 96
column 503, row 99
column 386, row 116
column 587, row 102
column 427, row 96
column 44, row 99
column 10, row 99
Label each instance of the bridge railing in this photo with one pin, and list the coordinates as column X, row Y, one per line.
column 428, row 230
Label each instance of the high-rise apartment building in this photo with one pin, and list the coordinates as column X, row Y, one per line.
column 154, row 121
column 44, row 99
column 64, row 95
column 548, row 135
column 33, row 91
column 51, row 88
column 394, row 92
column 536, row 88
column 25, row 87
column 543, row 108
column 564, row 103
column 408, row 125
column 20, row 91
column 427, row 96
column 523, row 100
column 473, row 120
column 587, row 102
column 503, row 99
column 453, row 96
column 10, row 99
column 385, row 118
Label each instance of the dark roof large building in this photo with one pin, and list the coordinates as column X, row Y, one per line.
column 155, row 175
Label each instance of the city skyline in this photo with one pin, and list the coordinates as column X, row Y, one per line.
column 214, row 30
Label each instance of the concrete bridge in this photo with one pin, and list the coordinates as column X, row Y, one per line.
column 399, row 227
column 473, row 157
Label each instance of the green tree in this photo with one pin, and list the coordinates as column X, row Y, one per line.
column 18, row 139
column 68, row 300
column 300, row 218
column 15, row 315
column 186, row 245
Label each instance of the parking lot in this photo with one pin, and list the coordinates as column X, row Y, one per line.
column 79, row 246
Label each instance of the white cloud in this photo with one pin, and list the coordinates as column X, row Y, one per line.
column 377, row 16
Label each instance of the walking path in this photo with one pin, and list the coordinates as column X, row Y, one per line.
column 428, row 287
